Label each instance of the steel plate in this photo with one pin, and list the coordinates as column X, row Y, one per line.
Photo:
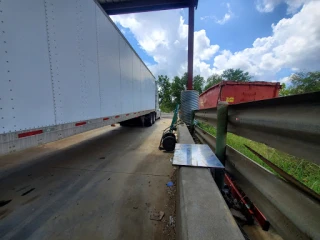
column 195, row 155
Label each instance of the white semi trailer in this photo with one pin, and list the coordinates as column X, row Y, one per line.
column 65, row 68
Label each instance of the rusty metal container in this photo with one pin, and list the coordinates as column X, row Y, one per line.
column 238, row 92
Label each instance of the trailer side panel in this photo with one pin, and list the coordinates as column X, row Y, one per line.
column 66, row 68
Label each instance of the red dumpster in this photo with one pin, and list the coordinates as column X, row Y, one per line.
column 238, row 92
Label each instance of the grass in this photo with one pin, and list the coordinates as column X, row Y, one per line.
column 306, row 172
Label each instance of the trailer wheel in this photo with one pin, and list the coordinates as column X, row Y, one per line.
column 153, row 118
column 148, row 120
column 123, row 124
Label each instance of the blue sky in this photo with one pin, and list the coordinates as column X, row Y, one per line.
column 269, row 38
column 246, row 23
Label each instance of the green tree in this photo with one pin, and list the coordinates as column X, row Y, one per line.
column 236, row 75
column 302, row 82
column 284, row 91
column 170, row 93
column 213, row 80
column 178, row 85
column 198, row 82
column 164, row 91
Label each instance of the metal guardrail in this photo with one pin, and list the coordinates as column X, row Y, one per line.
column 207, row 116
column 290, row 124
column 292, row 213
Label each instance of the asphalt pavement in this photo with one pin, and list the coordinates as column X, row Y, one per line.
column 103, row 184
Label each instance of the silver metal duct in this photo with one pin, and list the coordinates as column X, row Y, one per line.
column 189, row 103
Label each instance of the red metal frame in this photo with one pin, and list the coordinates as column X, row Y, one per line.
column 190, row 45
column 251, row 209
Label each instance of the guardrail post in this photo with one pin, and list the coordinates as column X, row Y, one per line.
column 222, row 123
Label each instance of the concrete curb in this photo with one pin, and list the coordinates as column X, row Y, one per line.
column 202, row 213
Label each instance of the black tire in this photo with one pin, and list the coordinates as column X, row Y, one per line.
column 141, row 120
column 168, row 134
column 169, row 143
column 123, row 124
column 148, row 120
column 153, row 118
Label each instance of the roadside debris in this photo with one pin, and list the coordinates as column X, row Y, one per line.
column 237, row 214
column 171, row 221
column 161, row 215
column 170, row 184
column 157, row 216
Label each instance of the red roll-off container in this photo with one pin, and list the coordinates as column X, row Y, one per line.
column 238, row 92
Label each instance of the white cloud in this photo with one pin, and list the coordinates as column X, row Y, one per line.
column 164, row 36
column 269, row 5
column 294, row 44
column 225, row 19
column 285, row 80
column 227, row 16
column 206, row 17
column 202, row 48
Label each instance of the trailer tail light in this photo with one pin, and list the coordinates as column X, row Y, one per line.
column 28, row 134
column 117, row 116
column 105, row 119
column 80, row 124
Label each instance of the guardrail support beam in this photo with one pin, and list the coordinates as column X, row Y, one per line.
column 222, row 123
